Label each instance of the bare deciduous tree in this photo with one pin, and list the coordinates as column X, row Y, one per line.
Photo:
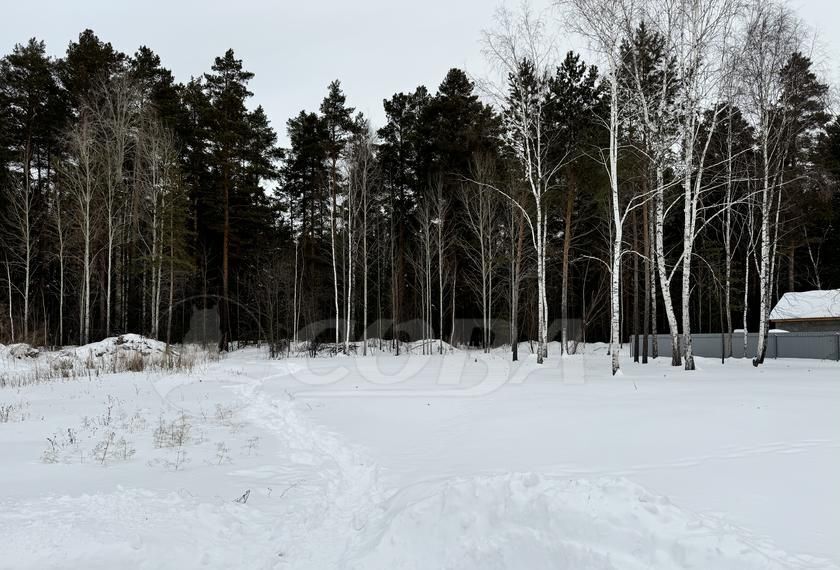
column 481, row 206
column 82, row 185
column 524, row 54
column 361, row 178
column 771, row 36
column 113, row 108
column 605, row 24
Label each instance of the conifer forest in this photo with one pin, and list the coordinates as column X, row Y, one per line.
column 678, row 176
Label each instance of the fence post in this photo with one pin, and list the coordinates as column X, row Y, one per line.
column 837, row 337
column 776, row 345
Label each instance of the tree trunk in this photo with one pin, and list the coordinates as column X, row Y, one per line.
column 615, row 277
column 564, row 295
column 664, row 281
column 647, row 292
column 224, row 309
column 791, row 268
column 452, row 328
column 764, row 271
column 688, row 243
column 364, row 272
column 11, row 300
column 332, row 246
column 349, row 285
column 171, row 280
column 636, row 290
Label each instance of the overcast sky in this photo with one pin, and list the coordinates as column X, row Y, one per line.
column 295, row 48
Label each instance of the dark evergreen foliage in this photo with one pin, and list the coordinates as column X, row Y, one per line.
column 250, row 229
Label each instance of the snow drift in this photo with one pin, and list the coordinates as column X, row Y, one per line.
column 19, row 351
column 115, row 346
column 534, row 521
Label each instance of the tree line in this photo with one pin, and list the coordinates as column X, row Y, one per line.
column 684, row 183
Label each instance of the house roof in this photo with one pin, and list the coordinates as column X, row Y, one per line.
column 807, row 305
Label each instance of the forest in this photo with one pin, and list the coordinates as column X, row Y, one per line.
column 678, row 178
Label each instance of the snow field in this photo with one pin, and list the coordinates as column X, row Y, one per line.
column 424, row 462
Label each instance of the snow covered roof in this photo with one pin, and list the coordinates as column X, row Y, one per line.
column 807, row 305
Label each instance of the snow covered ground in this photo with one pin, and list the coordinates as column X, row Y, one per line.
column 458, row 461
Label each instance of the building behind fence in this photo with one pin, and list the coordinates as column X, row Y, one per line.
column 822, row 346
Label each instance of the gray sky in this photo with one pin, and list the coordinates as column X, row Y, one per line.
column 295, row 48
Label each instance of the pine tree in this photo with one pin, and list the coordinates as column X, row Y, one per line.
column 304, row 173
column 227, row 91
column 156, row 85
column 399, row 154
column 33, row 103
column 339, row 125
column 455, row 126
column 577, row 100
column 87, row 63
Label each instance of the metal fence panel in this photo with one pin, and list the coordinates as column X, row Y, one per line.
column 821, row 346
column 807, row 345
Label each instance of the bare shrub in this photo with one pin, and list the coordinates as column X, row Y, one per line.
column 251, row 447
column 224, row 414
column 57, row 444
column 14, row 412
column 101, row 451
column 175, row 433
column 135, row 423
column 222, row 453
column 113, row 448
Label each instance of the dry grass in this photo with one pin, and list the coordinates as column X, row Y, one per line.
column 52, row 367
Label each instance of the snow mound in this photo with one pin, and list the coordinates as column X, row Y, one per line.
column 19, row 350
column 532, row 521
column 118, row 344
column 121, row 348
column 431, row 345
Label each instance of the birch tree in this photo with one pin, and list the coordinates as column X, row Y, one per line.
column 114, row 110
column 604, row 24
column 443, row 241
column 361, row 177
column 19, row 233
column 515, row 226
column 82, row 185
column 157, row 163
column 701, row 30
column 772, row 35
column 59, row 205
column 521, row 50
column 651, row 83
column 481, row 211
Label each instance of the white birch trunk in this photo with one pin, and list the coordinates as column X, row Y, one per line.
column 664, row 280
column 617, row 229
column 764, row 271
column 332, row 249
